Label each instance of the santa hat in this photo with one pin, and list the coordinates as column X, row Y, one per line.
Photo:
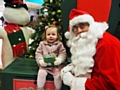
column 77, row 16
column 15, row 4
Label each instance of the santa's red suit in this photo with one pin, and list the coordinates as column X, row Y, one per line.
column 106, row 72
column 95, row 59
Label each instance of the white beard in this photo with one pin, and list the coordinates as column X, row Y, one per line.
column 83, row 48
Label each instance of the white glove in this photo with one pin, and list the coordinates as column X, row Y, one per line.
column 42, row 63
column 66, row 69
column 67, row 78
column 58, row 61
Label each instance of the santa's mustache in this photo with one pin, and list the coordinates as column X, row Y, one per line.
column 83, row 35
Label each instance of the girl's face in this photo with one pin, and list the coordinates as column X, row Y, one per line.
column 51, row 34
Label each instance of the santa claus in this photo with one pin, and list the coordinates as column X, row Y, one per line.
column 95, row 54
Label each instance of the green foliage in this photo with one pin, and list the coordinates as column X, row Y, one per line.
column 50, row 13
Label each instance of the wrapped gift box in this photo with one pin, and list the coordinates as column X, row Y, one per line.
column 23, row 84
column 49, row 85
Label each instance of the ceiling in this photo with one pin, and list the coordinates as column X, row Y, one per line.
column 34, row 4
column 35, row 1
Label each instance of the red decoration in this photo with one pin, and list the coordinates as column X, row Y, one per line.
column 10, row 28
column 20, row 48
column 17, row 2
column 99, row 9
column 20, row 84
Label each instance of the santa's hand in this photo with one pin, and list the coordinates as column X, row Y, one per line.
column 66, row 69
column 42, row 63
column 67, row 78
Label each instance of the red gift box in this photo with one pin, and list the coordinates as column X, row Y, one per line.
column 23, row 84
column 49, row 85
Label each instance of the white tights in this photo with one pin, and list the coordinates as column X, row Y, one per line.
column 41, row 79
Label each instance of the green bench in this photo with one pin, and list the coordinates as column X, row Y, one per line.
column 21, row 68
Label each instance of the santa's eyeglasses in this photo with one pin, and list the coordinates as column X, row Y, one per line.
column 79, row 25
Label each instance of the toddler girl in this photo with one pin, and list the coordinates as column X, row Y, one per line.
column 50, row 47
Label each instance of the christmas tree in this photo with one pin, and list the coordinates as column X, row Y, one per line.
column 50, row 13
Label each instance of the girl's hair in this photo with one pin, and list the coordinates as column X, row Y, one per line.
column 50, row 26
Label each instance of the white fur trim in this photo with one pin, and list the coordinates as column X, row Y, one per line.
column 81, row 18
column 67, row 35
column 98, row 28
column 78, row 83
